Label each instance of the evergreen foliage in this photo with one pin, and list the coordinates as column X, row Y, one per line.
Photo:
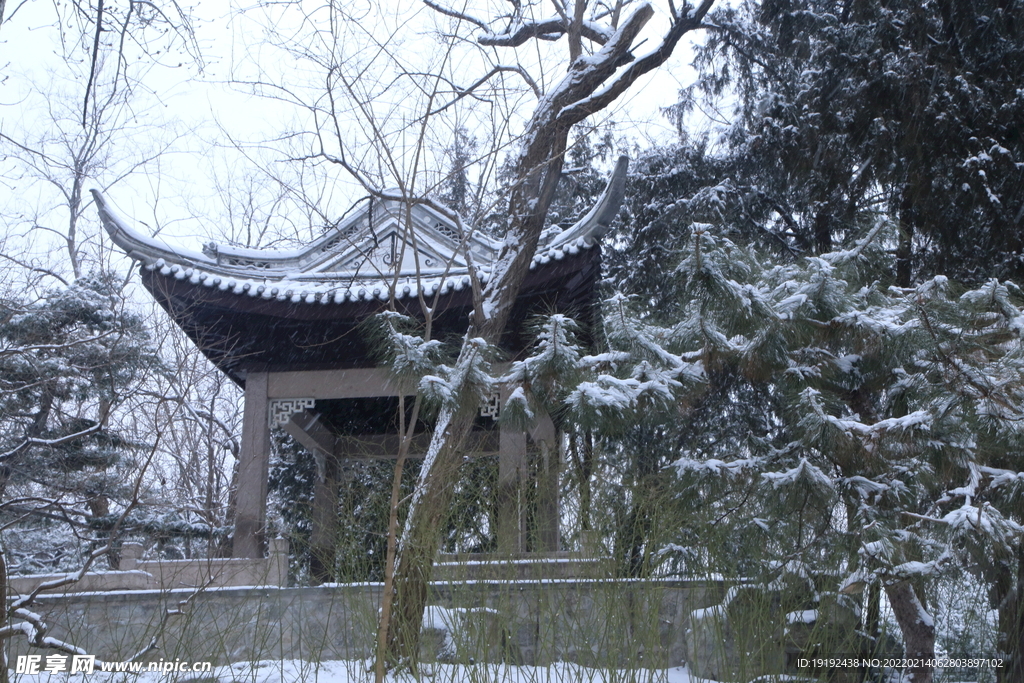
column 844, row 108
column 858, row 429
column 66, row 362
column 828, row 260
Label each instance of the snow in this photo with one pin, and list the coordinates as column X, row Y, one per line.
column 436, row 389
column 985, row 520
column 914, row 568
column 322, row 271
column 361, row 671
column 877, row 549
column 847, row 364
column 1002, row 477
column 804, row 471
column 704, row 612
column 610, row 396
column 714, row 466
column 864, row 486
column 807, row 616
column 520, row 561
column 517, row 401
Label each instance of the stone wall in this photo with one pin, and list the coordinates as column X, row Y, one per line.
column 593, row 622
column 138, row 574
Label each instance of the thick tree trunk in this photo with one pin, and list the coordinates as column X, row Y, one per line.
column 3, row 616
column 917, row 627
column 421, row 538
column 904, row 254
column 1011, row 625
column 591, row 84
column 823, row 230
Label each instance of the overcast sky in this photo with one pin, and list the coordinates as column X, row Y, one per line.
column 194, row 109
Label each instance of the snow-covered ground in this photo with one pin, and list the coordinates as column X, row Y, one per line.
column 361, row 672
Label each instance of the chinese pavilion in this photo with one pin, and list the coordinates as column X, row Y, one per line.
column 285, row 325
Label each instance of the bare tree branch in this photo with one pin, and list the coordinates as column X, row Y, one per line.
column 456, row 15
column 687, row 20
column 496, row 70
column 94, row 60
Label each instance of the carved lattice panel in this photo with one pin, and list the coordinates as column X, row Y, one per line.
column 490, row 405
column 282, row 409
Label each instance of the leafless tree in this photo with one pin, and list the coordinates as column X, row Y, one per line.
column 594, row 80
column 603, row 60
column 196, row 411
column 382, row 119
column 84, row 123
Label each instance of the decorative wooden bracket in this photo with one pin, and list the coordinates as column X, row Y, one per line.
column 490, row 405
column 280, row 410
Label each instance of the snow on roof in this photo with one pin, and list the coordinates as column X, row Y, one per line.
column 380, row 244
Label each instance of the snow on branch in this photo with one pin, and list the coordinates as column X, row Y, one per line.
column 456, row 15
column 684, row 21
column 804, row 472
column 715, row 467
column 1001, row 477
column 34, row 441
column 520, row 31
column 34, row 630
column 555, row 27
column 987, row 521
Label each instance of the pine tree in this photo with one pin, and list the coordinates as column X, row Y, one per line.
column 889, row 420
column 844, row 107
column 66, row 363
column 457, row 189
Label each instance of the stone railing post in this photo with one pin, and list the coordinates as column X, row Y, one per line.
column 277, row 562
column 131, row 555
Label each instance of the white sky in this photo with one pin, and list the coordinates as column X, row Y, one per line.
column 193, row 112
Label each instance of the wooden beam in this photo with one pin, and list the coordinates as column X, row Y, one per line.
column 385, row 446
column 305, row 427
column 352, row 383
column 328, row 384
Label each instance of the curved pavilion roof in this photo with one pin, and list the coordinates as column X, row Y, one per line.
column 301, row 308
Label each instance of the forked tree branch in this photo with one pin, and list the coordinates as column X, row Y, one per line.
column 545, row 29
column 496, row 70
column 683, row 22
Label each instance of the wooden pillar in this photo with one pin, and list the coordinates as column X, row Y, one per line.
column 545, row 436
column 324, row 536
column 304, row 426
column 511, row 527
column 253, row 470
